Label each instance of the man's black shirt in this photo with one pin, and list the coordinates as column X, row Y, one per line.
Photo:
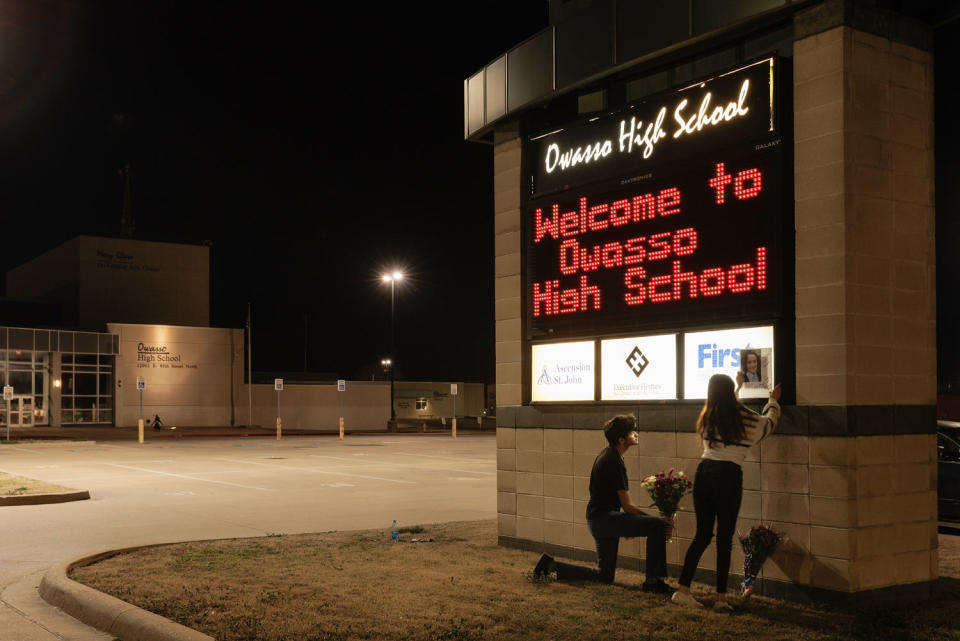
column 609, row 475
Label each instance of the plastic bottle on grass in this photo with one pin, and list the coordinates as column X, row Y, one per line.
column 395, row 532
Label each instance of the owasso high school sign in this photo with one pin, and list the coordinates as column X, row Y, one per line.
column 664, row 216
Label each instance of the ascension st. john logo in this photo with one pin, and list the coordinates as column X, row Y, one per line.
column 544, row 377
column 637, row 362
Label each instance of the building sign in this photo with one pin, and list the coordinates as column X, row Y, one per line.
column 748, row 349
column 161, row 355
column 642, row 368
column 563, row 372
column 726, row 110
column 696, row 241
column 119, row 260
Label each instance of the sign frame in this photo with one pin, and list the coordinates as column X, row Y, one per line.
column 779, row 313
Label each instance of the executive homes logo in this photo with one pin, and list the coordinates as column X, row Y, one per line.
column 637, row 361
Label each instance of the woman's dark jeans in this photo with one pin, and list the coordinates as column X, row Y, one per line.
column 607, row 529
column 717, row 491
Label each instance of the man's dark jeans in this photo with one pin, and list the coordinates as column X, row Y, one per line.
column 606, row 530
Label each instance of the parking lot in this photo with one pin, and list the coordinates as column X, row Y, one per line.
column 203, row 488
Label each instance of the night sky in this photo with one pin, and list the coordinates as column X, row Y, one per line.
column 312, row 149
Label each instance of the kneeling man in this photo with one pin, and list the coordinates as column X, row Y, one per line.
column 609, row 493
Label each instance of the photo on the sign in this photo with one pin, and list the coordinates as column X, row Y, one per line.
column 755, row 367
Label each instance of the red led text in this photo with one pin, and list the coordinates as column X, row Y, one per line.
column 680, row 284
column 656, row 267
column 746, row 184
column 574, row 258
column 550, row 299
column 601, row 216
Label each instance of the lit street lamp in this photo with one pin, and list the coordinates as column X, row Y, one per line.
column 388, row 362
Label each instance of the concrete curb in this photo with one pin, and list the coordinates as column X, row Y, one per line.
column 109, row 614
column 46, row 442
column 42, row 499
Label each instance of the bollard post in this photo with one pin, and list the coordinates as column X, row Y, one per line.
column 278, row 428
column 341, row 428
column 454, row 428
column 140, row 430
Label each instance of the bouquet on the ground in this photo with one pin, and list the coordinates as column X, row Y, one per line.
column 666, row 490
column 757, row 545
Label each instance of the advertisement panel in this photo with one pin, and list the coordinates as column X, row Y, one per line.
column 727, row 351
column 640, row 368
column 563, row 372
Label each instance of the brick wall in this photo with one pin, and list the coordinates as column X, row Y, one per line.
column 859, row 512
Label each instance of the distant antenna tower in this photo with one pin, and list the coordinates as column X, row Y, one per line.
column 127, row 225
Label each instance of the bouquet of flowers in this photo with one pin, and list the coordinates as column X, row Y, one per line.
column 666, row 490
column 757, row 545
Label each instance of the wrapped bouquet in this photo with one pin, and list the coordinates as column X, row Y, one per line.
column 757, row 545
column 666, row 490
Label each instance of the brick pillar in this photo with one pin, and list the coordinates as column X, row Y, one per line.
column 865, row 296
column 507, row 170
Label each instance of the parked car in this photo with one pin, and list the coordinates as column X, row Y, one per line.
column 948, row 470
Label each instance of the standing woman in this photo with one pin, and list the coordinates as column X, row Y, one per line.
column 727, row 430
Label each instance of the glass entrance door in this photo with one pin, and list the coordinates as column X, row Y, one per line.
column 21, row 411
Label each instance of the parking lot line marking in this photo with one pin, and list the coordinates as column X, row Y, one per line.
column 23, row 449
column 447, row 458
column 319, row 471
column 190, row 478
column 376, row 462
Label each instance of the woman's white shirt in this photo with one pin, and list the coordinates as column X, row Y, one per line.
column 757, row 427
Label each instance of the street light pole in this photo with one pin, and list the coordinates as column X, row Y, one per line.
column 393, row 355
column 392, row 279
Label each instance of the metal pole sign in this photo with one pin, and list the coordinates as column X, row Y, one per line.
column 140, row 385
column 453, row 393
column 278, row 385
column 7, row 397
column 341, row 388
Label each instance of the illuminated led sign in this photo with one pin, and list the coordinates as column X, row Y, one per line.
column 733, row 107
column 691, row 243
column 639, row 368
column 654, row 222
column 563, row 372
column 728, row 351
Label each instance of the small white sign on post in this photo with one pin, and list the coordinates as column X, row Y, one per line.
column 453, row 389
column 278, row 384
column 341, row 385
column 8, row 392
column 141, row 384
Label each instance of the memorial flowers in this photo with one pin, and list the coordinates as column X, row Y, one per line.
column 757, row 545
column 666, row 490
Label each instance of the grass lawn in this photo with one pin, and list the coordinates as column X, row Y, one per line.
column 20, row 485
column 462, row 586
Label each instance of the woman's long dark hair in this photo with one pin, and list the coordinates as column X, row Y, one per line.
column 720, row 418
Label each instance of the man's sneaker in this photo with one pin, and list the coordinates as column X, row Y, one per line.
column 722, row 606
column 657, row 587
column 685, row 599
column 544, row 566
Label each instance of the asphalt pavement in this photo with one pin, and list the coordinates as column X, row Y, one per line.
column 204, row 483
